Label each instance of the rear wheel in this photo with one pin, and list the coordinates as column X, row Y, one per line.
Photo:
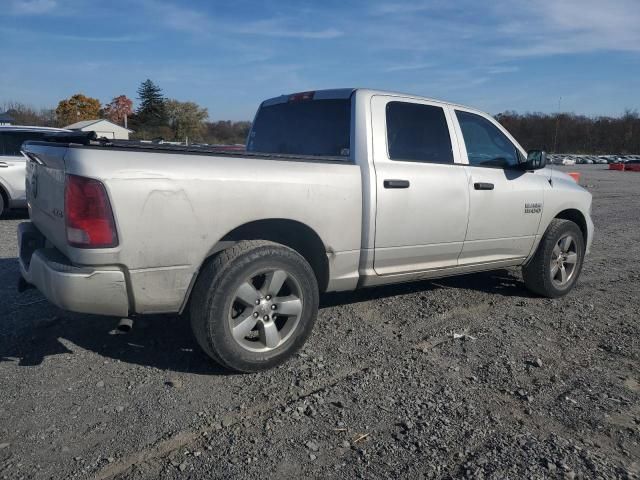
column 254, row 305
column 557, row 263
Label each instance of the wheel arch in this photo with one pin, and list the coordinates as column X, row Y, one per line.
column 4, row 195
column 577, row 217
column 291, row 233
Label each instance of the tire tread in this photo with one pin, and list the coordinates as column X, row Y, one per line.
column 534, row 272
column 209, row 279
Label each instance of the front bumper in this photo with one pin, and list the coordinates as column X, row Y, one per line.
column 590, row 231
column 100, row 291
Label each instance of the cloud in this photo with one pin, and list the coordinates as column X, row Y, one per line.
column 200, row 23
column 281, row 28
column 31, row 7
column 407, row 67
column 503, row 29
column 179, row 18
column 501, row 69
column 31, row 34
column 573, row 26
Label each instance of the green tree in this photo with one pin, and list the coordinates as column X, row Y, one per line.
column 227, row 132
column 187, row 119
column 151, row 110
column 77, row 108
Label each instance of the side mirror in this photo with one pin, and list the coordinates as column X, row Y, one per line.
column 536, row 159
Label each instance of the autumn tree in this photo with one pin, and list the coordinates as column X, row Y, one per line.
column 77, row 108
column 151, row 110
column 118, row 109
column 186, row 119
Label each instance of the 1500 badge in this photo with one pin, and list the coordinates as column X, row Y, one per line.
column 532, row 207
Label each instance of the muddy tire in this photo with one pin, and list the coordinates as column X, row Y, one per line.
column 554, row 269
column 254, row 305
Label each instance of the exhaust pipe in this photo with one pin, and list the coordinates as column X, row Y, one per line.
column 125, row 325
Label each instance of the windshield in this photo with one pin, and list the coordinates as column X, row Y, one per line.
column 309, row 127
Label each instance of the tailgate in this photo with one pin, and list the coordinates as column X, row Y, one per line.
column 45, row 190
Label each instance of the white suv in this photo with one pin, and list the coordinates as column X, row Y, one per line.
column 12, row 163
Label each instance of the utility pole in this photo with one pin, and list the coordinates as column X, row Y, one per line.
column 555, row 137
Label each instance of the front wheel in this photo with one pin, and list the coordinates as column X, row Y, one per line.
column 254, row 305
column 554, row 269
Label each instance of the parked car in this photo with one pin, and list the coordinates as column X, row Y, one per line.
column 337, row 190
column 632, row 166
column 12, row 163
column 616, row 166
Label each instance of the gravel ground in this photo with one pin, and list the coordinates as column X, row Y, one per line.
column 532, row 387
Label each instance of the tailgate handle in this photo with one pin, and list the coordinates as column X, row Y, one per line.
column 4, row 165
column 483, row 186
column 396, row 183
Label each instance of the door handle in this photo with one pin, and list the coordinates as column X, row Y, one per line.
column 4, row 165
column 483, row 186
column 396, row 183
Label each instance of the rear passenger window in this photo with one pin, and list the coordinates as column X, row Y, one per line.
column 418, row 133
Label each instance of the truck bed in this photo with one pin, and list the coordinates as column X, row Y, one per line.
column 133, row 145
column 172, row 205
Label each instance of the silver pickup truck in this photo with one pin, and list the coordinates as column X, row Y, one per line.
column 337, row 190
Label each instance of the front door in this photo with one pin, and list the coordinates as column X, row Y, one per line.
column 505, row 201
column 422, row 195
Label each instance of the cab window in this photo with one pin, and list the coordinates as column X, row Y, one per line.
column 486, row 145
column 418, row 133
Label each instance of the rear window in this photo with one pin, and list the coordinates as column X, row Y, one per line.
column 10, row 142
column 418, row 133
column 311, row 127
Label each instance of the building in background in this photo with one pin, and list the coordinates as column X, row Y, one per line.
column 103, row 128
column 6, row 119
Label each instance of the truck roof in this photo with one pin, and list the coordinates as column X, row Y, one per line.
column 337, row 93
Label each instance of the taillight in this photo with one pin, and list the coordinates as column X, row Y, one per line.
column 88, row 214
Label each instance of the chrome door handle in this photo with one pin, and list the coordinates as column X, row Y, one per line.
column 4, row 165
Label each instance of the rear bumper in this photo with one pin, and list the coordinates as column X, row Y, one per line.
column 75, row 288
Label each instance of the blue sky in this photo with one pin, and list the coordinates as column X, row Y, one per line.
column 229, row 55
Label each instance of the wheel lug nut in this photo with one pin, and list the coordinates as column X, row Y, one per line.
column 258, row 301
column 255, row 314
column 266, row 318
column 273, row 307
column 268, row 297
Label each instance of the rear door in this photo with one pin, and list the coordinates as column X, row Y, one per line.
column 505, row 201
column 422, row 195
